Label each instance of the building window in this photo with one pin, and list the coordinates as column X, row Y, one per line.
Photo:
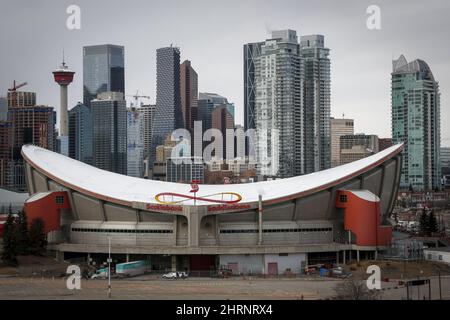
column 59, row 199
column 343, row 198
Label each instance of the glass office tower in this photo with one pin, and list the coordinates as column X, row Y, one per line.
column 103, row 70
column 109, row 133
column 80, row 133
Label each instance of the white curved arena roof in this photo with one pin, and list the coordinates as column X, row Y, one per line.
column 123, row 189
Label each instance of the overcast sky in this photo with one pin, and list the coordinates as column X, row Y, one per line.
column 211, row 34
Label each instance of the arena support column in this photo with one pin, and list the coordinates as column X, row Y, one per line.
column 174, row 263
column 194, row 217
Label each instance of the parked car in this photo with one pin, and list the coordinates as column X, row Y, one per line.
column 225, row 273
column 175, row 275
column 100, row 274
column 337, row 271
column 170, row 275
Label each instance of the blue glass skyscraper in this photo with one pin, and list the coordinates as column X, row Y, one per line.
column 103, row 70
column 80, row 133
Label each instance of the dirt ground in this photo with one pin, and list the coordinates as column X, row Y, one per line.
column 31, row 265
column 399, row 269
column 44, row 278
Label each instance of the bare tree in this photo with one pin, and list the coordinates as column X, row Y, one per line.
column 352, row 289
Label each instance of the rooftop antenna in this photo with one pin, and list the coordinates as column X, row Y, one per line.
column 343, row 115
column 64, row 59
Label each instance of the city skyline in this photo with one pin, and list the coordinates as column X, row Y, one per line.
column 360, row 79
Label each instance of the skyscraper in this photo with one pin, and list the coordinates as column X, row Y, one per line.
column 278, row 113
column 218, row 100
column 168, row 113
column 80, row 133
column 21, row 99
column 135, row 145
column 339, row 127
column 445, row 160
column 103, row 70
column 222, row 120
column 416, row 123
column 31, row 124
column 251, row 53
column 317, row 103
column 188, row 93
column 109, row 134
column 5, row 151
column 3, row 109
column 147, row 114
column 445, row 167
column 205, row 109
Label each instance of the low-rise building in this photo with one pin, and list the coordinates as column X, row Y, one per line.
column 437, row 254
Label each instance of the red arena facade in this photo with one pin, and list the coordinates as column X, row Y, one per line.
column 269, row 227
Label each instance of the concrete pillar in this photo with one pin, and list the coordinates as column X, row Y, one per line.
column 63, row 127
column 193, row 224
column 337, row 257
column 88, row 259
column 357, row 255
column 344, row 257
column 128, row 257
column 376, row 255
column 175, row 230
column 174, row 263
column 263, row 264
column 59, row 256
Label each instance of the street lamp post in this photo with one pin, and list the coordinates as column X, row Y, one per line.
column 440, row 289
column 109, row 266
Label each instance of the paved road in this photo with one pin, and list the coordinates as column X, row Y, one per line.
column 193, row 289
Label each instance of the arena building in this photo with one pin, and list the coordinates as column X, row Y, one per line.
column 270, row 227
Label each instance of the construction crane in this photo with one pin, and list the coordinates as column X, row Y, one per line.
column 136, row 97
column 13, row 91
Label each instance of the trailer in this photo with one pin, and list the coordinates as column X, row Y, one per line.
column 133, row 268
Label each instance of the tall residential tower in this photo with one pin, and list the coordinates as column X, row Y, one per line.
column 278, row 113
column 416, row 123
column 317, row 103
